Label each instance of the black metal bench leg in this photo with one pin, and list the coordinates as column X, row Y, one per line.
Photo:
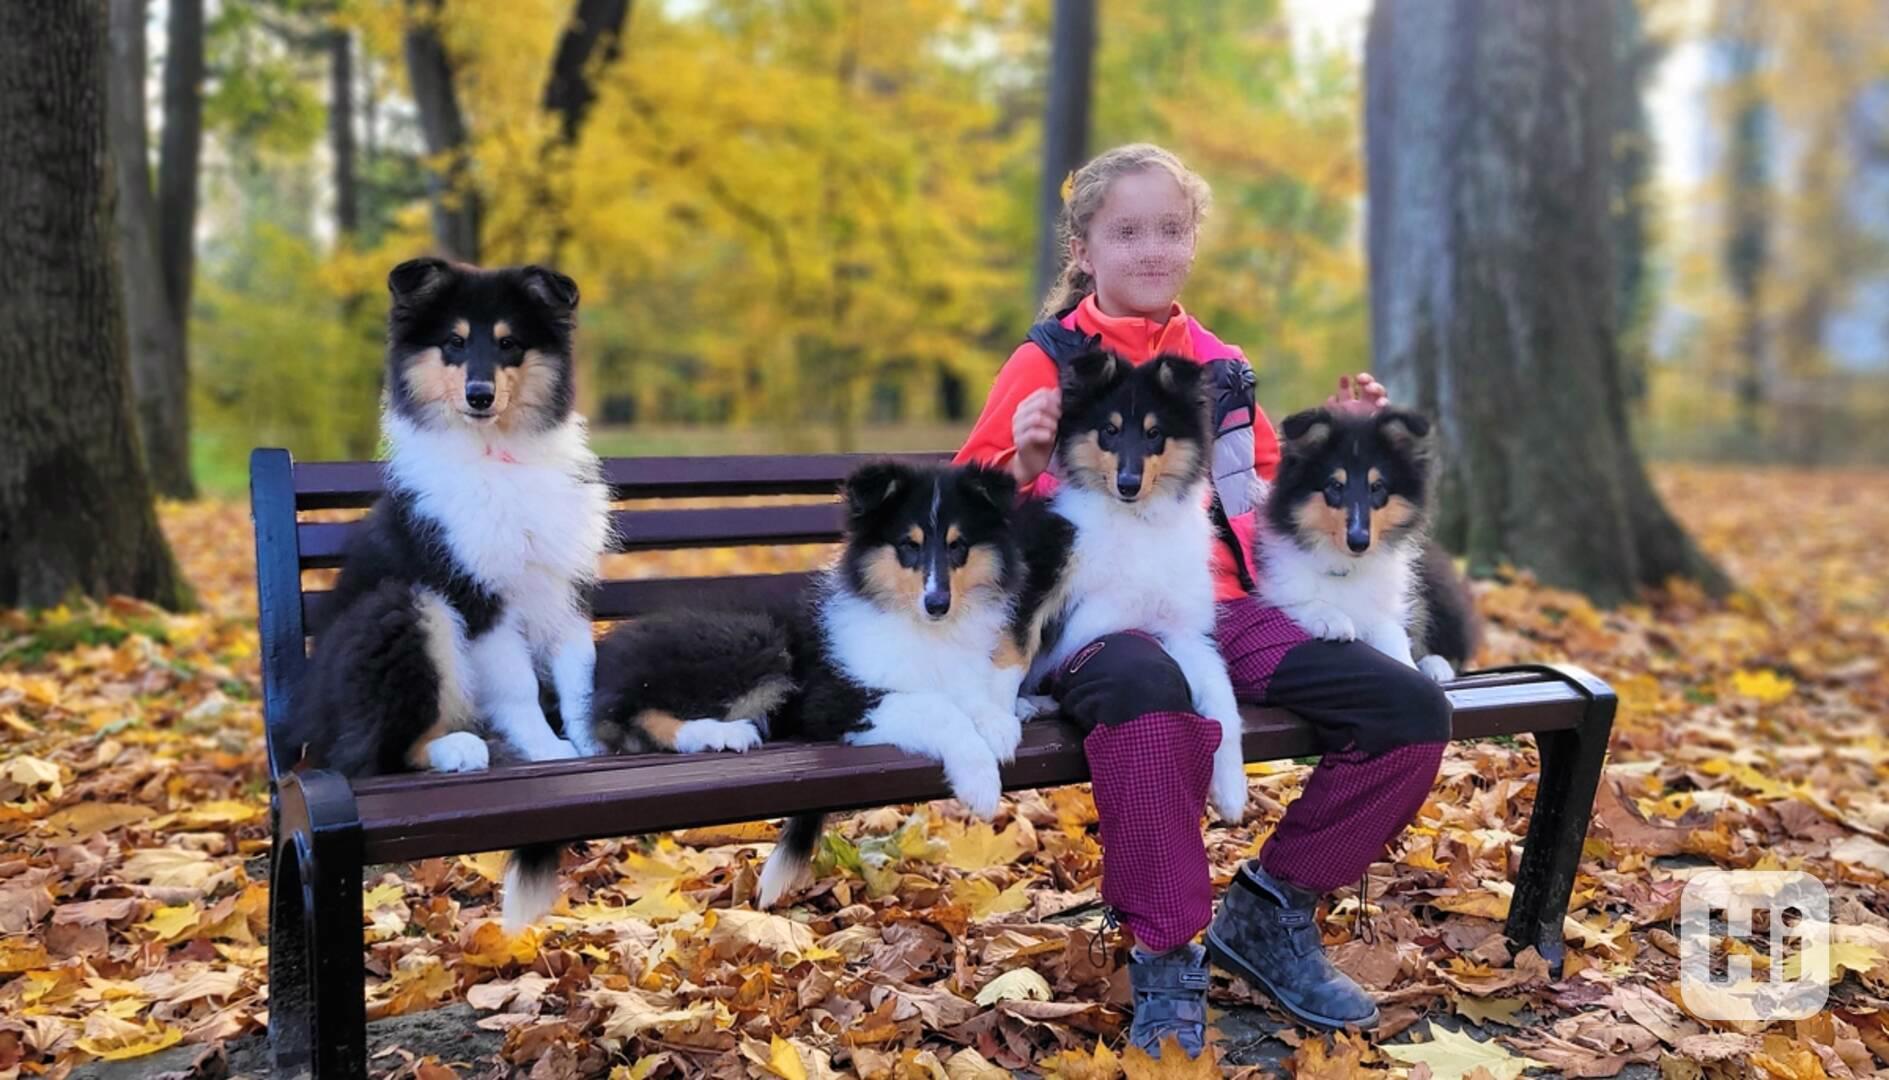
column 317, row 978
column 1571, row 762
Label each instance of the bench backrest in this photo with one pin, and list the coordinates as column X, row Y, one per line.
column 283, row 494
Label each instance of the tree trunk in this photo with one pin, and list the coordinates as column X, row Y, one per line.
column 568, row 94
column 75, row 504
column 1747, row 241
column 569, row 91
column 1065, row 126
column 454, row 196
column 160, row 380
column 1638, row 59
column 1488, row 130
column 180, row 152
column 341, row 130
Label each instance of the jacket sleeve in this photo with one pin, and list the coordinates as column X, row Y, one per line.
column 1028, row 370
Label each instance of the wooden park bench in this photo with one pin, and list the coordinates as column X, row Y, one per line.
column 328, row 830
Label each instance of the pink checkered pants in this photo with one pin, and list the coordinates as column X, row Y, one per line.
column 1381, row 725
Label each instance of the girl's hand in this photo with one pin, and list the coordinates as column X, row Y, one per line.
column 1360, row 393
column 1033, row 428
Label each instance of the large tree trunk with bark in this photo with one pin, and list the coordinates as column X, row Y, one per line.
column 1065, row 125
column 155, row 278
column 75, row 504
column 1488, row 128
column 454, row 195
column 160, row 375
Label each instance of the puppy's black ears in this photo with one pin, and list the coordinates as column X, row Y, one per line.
column 414, row 279
column 1091, row 370
column 1177, row 375
column 1403, row 425
column 995, row 486
column 872, row 485
column 550, row 288
column 1305, row 431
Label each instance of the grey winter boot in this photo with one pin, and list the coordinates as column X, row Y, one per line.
column 1170, row 993
column 1265, row 933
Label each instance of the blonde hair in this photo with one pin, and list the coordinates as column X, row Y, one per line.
column 1084, row 195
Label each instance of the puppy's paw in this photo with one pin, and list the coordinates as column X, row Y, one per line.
column 1326, row 623
column 1228, row 791
column 1000, row 731
column 1031, row 706
column 976, row 783
column 711, row 733
column 461, row 751
column 553, row 749
column 1437, row 668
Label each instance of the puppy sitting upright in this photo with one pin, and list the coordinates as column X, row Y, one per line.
column 1342, row 548
column 473, row 572
column 1124, row 544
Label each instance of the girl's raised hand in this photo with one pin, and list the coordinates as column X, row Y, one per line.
column 1033, row 428
column 1359, row 393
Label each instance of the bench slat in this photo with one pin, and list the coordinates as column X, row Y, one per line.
column 332, row 485
column 324, row 543
column 418, row 816
column 612, row 600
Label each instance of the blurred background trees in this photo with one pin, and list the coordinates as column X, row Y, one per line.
column 819, row 224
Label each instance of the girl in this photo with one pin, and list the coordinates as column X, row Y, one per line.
column 1129, row 225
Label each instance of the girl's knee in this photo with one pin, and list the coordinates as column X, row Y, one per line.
column 1423, row 709
column 1117, row 678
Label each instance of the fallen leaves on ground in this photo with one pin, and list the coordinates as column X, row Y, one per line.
column 134, row 822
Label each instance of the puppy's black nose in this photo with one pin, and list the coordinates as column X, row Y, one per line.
column 1358, row 540
column 480, row 395
column 937, row 604
column 1129, row 484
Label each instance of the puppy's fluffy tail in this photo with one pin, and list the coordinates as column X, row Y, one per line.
column 787, row 866
column 531, row 885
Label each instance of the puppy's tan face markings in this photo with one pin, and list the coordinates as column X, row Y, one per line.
column 1090, row 466
column 1398, row 514
column 501, row 330
column 891, row 585
column 982, row 570
column 1317, row 521
column 462, row 328
column 530, row 394
column 435, row 384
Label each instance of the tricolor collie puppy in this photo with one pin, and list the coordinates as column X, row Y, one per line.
column 1342, row 548
column 473, row 572
column 1126, row 541
column 905, row 640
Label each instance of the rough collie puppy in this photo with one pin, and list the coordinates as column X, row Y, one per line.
column 902, row 637
column 1125, row 543
column 1342, row 548
column 472, row 574
column 676, row 681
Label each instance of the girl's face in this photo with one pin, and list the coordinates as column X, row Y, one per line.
column 1139, row 246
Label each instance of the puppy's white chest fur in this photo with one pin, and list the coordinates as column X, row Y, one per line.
column 1372, row 590
column 1144, row 568
column 888, row 651
column 527, row 517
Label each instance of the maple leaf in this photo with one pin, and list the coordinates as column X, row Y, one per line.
column 976, row 846
column 1173, row 1064
column 1076, row 1064
column 1453, row 1056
